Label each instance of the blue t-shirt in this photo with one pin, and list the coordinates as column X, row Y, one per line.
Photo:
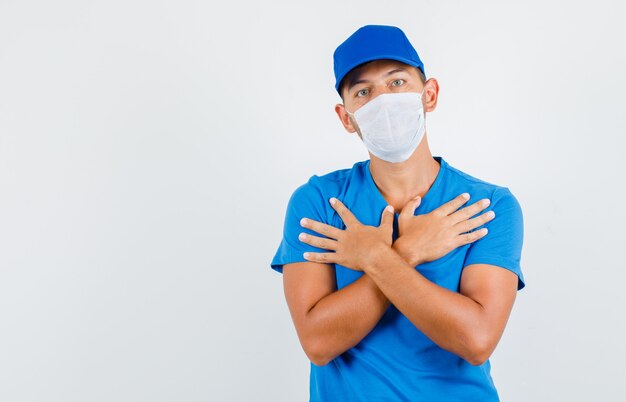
column 396, row 361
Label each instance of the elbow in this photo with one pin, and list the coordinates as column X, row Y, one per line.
column 317, row 352
column 479, row 351
column 477, row 358
column 319, row 360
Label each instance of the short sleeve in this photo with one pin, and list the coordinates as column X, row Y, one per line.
column 306, row 201
column 502, row 246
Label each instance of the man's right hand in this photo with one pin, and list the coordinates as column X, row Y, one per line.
column 427, row 237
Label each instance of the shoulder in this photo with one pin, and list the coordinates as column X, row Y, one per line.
column 327, row 184
column 313, row 195
column 499, row 194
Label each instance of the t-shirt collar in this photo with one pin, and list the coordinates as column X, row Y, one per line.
column 426, row 200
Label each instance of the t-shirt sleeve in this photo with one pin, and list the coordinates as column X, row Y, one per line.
column 306, row 202
column 502, row 246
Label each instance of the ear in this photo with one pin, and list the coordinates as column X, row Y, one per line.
column 344, row 117
column 431, row 94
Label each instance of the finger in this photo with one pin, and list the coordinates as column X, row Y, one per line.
column 409, row 209
column 346, row 216
column 319, row 242
column 471, row 224
column 471, row 237
column 328, row 258
column 387, row 218
column 319, row 227
column 471, row 210
column 452, row 205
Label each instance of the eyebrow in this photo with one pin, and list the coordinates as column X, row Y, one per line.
column 354, row 81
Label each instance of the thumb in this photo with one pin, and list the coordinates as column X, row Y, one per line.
column 410, row 207
column 387, row 217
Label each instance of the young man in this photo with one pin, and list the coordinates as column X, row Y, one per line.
column 397, row 289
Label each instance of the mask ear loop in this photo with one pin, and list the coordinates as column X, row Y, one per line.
column 353, row 122
column 423, row 110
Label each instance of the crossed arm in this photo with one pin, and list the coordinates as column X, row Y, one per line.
column 330, row 321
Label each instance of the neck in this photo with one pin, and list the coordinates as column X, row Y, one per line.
column 403, row 181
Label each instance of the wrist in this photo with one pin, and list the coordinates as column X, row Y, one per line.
column 399, row 247
column 377, row 257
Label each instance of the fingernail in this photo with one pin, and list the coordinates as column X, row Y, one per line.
column 389, row 208
column 484, row 230
column 306, row 255
column 332, row 200
column 302, row 236
column 303, row 221
column 486, row 201
column 465, row 195
column 491, row 214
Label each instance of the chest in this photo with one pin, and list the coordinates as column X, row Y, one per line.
column 445, row 271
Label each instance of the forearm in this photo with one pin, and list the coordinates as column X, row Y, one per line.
column 343, row 318
column 453, row 321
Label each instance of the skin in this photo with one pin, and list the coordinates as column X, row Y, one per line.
column 328, row 321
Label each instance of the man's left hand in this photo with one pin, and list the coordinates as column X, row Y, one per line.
column 357, row 246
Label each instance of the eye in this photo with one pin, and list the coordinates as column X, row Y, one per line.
column 362, row 92
column 397, row 83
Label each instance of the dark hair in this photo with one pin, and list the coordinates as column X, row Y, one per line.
column 350, row 73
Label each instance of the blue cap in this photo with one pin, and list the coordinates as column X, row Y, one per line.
column 373, row 42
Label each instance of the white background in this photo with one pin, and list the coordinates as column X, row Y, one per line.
column 148, row 150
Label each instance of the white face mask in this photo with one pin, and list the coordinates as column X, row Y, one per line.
column 392, row 125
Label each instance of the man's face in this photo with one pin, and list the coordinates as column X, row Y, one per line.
column 378, row 77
